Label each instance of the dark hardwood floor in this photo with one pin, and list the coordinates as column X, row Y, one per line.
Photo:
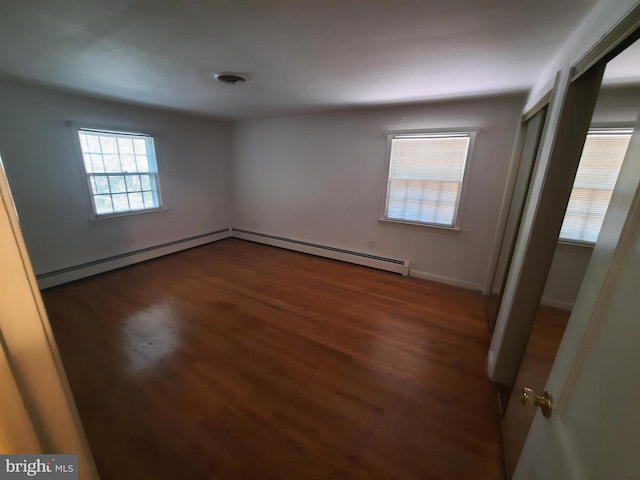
column 241, row 361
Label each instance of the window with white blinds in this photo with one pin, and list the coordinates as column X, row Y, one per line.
column 602, row 157
column 121, row 171
column 425, row 177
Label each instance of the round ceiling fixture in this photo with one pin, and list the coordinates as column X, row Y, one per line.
column 230, row 78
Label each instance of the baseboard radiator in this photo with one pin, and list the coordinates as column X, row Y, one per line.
column 358, row 258
column 76, row 272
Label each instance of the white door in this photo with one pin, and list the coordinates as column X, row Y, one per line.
column 594, row 431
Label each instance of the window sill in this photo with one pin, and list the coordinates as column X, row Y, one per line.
column 126, row 214
column 419, row 224
column 576, row 243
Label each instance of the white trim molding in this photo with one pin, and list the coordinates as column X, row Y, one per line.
column 58, row 277
column 335, row 253
column 561, row 304
column 456, row 282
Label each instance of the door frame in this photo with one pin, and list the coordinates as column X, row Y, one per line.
column 520, row 176
column 510, row 186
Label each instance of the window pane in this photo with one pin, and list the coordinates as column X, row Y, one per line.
column 423, row 212
column 96, row 163
column 120, row 203
column 128, row 163
column 145, row 181
column 150, row 200
column 83, row 141
column 100, row 184
column 135, row 201
column 93, row 144
column 87, row 162
column 112, row 163
column 108, row 144
column 117, row 184
column 133, row 183
column 140, row 146
column 425, row 176
column 103, row 204
column 142, row 163
column 125, row 146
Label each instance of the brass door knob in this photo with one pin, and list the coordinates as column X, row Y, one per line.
column 544, row 401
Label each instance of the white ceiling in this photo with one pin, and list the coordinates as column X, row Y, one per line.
column 299, row 55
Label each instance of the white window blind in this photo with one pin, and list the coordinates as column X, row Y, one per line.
column 425, row 177
column 121, row 171
column 602, row 157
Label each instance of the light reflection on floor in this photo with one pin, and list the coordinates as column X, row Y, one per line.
column 150, row 336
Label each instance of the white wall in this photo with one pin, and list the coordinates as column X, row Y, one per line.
column 615, row 106
column 565, row 275
column 48, row 186
column 320, row 178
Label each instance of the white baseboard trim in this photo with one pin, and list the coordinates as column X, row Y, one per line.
column 456, row 282
column 70, row 274
column 358, row 258
column 552, row 302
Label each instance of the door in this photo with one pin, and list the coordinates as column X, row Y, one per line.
column 37, row 412
column 595, row 379
column 532, row 133
column 16, row 429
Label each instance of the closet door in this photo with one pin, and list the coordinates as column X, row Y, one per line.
column 532, row 132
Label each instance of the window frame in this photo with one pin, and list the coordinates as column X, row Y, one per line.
column 595, row 128
column 471, row 132
column 91, row 206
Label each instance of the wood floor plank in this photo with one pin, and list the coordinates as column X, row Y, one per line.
column 238, row 360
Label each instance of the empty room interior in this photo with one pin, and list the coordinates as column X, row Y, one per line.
column 324, row 239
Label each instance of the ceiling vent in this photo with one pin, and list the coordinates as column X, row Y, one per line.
column 230, row 78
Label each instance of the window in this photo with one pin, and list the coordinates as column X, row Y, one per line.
column 121, row 171
column 602, row 157
column 425, row 177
